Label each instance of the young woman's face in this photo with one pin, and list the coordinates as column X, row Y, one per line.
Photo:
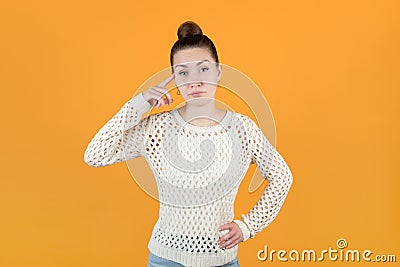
column 196, row 75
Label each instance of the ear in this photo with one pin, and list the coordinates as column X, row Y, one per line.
column 220, row 72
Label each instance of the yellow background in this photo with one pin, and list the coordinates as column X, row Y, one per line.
column 329, row 70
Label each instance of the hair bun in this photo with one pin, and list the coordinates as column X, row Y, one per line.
column 189, row 28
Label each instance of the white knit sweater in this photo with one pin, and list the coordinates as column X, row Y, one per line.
column 198, row 171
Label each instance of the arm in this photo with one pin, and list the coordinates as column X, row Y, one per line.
column 121, row 138
column 273, row 168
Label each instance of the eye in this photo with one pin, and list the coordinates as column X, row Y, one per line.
column 182, row 73
column 204, row 69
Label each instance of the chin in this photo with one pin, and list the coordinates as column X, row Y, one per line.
column 199, row 101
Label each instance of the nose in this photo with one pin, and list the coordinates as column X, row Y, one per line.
column 195, row 84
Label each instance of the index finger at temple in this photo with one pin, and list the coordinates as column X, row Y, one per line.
column 166, row 81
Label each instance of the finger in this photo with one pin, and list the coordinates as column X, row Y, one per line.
column 169, row 98
column 225, row 243
column 166, row 81
column 163, row 91
column 226, row 240
column 161, row 100
column 225, row 226
column 160, row 103
column 223, row 238
column 231, row 244
column 156, row 94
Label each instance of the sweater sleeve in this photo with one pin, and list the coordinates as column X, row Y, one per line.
column 272, row 167
column 121, row 138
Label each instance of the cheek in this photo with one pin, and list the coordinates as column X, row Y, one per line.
column 211, row 89
column 209, row 77
column 183, row 88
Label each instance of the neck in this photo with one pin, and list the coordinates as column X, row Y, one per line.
column 204, row 115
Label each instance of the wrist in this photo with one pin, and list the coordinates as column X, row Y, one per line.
column 247, row 223
column 140, row 103
column 243, row 227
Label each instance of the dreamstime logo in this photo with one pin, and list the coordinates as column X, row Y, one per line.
column 198, row 166
column 341, row 243
column 341, row 254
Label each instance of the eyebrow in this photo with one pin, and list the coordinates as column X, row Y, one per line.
column 198, row 63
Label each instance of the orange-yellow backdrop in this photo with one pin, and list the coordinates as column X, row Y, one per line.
column 330, row 71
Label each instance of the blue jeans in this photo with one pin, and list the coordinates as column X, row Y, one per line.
column 155, row 261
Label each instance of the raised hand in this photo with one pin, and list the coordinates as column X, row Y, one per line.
column 158, row 95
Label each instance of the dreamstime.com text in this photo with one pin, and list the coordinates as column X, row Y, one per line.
column 340, row 254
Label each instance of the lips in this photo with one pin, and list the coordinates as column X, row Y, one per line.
column 196, row 93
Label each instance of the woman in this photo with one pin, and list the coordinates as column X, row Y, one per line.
column 199, row 154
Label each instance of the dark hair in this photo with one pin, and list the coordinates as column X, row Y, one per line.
column 190, row 35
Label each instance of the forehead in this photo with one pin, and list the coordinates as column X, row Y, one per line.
column 192, row 55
